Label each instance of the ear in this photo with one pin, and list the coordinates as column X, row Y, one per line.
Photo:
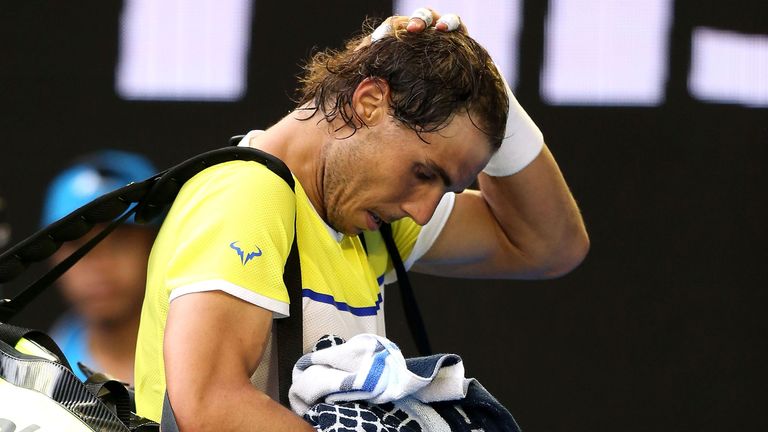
column 371, row 100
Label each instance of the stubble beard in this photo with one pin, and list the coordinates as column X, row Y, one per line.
column 333, row 180
column 332, row 213
column 338, row 185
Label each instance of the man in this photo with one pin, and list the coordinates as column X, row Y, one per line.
column 106, row 287
column 386, row 131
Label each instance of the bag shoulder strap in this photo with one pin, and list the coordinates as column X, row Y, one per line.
column 290, row 331
column 411, row 308
column 11, row 335
column 149, row 199
column 412, row 312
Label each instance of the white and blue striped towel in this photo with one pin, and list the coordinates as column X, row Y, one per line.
column 365, row 381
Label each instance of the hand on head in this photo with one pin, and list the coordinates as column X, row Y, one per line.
column 424, row 18
column 420, row 20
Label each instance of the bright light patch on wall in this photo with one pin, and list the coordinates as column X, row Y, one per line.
column 606, row 52
column 495, row 24
column 184, row 49
column 729, row 67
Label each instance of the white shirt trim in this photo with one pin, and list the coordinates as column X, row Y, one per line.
column 278, row 308
column 246, row 141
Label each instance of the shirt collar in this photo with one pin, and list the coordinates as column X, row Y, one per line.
column 333, row 233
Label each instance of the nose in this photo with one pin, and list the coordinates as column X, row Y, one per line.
column 421, row 207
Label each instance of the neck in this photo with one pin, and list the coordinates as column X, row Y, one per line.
column 300, row 142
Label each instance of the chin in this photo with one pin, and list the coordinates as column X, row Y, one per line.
column 350, row 231
column 339, row 227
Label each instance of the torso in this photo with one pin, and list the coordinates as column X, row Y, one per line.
column 342, row 284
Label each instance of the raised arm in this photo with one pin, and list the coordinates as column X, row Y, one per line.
column 524, row 226
column 522, row 223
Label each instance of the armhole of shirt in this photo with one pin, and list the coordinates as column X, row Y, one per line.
column 427, row 235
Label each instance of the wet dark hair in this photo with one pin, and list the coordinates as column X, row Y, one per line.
column 432, row 77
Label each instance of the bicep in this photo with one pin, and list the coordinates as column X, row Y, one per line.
column 212, row 341
column 471, row 244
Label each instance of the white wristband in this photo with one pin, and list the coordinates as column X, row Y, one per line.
column 522, row 142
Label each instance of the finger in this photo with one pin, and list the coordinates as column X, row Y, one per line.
column 449, row 23
column 383, row 30
column 399, row 22
column 421, row 18
column 387, row 28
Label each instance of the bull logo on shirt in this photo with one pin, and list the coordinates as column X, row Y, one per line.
column 244, row 258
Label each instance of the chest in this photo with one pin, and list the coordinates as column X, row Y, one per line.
column 341, row 272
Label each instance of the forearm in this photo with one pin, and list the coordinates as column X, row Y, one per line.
column 532, row 204
column 242, row 409
column 538, row 216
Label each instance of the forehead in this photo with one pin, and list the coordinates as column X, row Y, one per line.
column 460, row 149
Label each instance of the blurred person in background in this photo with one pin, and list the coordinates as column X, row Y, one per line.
column 105, row 289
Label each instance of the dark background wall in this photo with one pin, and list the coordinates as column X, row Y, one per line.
column 661, row 328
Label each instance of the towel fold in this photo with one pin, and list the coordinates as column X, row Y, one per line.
column 366, row 384
column 372, row 368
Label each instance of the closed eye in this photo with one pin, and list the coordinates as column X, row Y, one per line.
column 423, row 173
column 433, row 171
